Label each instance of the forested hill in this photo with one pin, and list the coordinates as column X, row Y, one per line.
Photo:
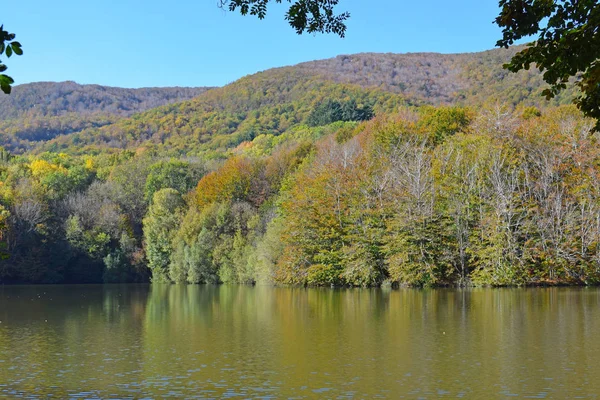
column 73, row 118
column 210, row 125
column 467, row 78
column 37, row 112
column 51, row 99
column 273, row 101
column 317, row 174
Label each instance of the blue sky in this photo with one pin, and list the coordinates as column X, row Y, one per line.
column 137, row 43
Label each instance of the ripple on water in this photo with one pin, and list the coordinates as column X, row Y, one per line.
column 286, row 343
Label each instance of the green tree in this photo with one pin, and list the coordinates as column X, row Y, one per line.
column 179, row 175
column 4, row 216
column 311, row 16
column 567, row 44
column 8, row 46
column 117, row 269
column 160, row 226
column 127, row 186
column 330, row 111
column 199, row 259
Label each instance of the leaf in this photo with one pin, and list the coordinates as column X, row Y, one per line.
column 17, row 50
column 5, row 82
column 7, row 79
column 8, row 51
column 5, row 88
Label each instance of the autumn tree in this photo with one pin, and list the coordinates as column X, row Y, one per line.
column 232, row 182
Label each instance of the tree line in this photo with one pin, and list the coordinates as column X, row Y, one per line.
column 427, row 196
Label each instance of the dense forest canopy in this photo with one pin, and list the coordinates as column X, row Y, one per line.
column 286, row 177
column 424, row 196
column 52, row 99
column 270, row 101
column 362, row 170
column 41, row 111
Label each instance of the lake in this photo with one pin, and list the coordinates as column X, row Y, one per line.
column 139, row 341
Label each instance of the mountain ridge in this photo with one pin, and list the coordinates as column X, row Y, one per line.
column 286, row 95
column 44, row 96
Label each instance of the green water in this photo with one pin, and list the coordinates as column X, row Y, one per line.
column 259, row 342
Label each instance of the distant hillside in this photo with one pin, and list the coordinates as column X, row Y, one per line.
column 51, row 99
column 467, row 78
column 268, row 102
column 37, row 112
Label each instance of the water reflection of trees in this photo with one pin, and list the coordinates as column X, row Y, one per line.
column 57, row 338
column 208, row 340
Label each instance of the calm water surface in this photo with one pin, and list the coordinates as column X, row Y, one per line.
column 259, row 342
